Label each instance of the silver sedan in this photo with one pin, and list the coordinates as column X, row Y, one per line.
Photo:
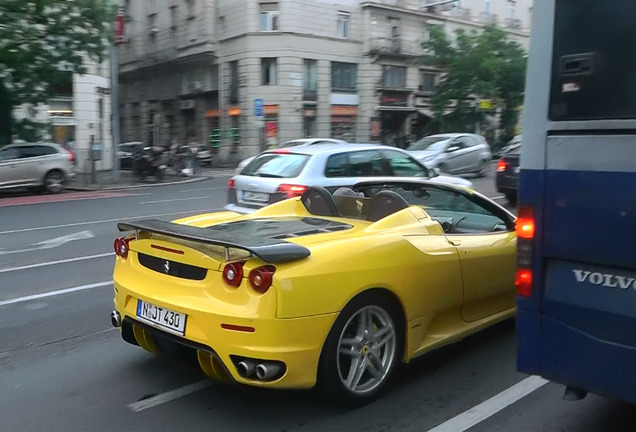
column 453, row 153
column 284, row 173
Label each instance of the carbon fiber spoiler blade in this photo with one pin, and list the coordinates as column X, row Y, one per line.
column 269, row 250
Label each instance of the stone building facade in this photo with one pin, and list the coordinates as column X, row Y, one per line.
column 247, row 74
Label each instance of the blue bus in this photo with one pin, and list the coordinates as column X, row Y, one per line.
column 576, row 251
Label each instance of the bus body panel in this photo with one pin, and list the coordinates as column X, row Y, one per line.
column 578, row 173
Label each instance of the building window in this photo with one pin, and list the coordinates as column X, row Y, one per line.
column 511, row 9
column 173, row 17
column 269, row 17
column 234, row 82
column 309, row 121
column 310, row 81
column 486, row 7
column 268, row 71
column 343, row 25
column 394, row 76
column 427, row 82
column 343, row 76
column 395, row 34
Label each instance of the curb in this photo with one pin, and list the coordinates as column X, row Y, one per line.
column 193, row 179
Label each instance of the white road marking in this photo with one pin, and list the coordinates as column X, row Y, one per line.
column 50, row 263
column 55, row 293
column 105, row 221
column 492, row 406
column 169, row 396
column 175, row 199
column 52, row 243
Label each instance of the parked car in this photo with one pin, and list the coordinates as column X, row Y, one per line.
column 321, row 290
column 507, row 176
column 453, row 153
column 294, row 143
column 36, row 166
column 284, row 173
column 126, row 153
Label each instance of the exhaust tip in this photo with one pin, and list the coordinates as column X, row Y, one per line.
column 245, row 369
column 115, row 319
column 261, row 371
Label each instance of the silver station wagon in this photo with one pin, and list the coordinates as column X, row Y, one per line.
column 285, row 173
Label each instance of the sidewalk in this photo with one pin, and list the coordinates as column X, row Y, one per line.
column 103, row 179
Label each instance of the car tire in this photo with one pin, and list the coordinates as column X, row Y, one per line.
column 54, row 181
column 358, row 359
column 511, row 197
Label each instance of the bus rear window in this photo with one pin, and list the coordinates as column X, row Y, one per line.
column 592, row 72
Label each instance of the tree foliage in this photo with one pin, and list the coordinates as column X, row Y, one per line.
column 42, row 40
column 476, row 66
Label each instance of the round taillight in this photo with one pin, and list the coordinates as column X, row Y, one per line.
column 230, row 184
column 261, row 278
column 121, row 247
column 233, row 273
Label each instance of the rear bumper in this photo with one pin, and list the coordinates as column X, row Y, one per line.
column 571, row 357
column 295, row 342
column 506, row 183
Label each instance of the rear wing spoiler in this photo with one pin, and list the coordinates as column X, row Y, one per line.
column 269, row 250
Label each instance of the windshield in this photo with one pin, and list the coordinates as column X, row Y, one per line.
column 276, row 165
column 431, row 143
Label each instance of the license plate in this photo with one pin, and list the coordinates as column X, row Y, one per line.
column 166, row 319
column 255, row 196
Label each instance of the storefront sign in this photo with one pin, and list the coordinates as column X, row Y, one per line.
column 394, row 99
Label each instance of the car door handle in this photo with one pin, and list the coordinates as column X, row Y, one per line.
column 454, row 242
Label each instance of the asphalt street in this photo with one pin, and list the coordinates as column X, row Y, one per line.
column 63, row 367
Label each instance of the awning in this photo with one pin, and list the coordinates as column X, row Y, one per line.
column 395, row 108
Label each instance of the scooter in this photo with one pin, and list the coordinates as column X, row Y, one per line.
column 151, row 161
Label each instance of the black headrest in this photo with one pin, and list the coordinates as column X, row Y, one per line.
column 385, row 203
column 318, row 201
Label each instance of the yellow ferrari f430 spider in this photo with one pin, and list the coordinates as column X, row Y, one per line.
column 321, row 290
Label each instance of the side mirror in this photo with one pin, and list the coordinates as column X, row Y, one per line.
column 436, row 172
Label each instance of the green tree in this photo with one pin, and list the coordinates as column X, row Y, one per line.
column 41, row 41
column 477, row 65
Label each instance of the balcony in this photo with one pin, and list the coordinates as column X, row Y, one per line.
column 488, row 18
column 394, row 46
column 513, row 23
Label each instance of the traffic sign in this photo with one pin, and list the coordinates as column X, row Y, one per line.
column 258, row 108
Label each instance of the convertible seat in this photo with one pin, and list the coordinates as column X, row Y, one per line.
column 385, row 203
column 318, row 201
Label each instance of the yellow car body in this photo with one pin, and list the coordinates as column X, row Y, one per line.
column 444, row 286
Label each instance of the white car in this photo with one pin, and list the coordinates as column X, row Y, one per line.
column 279, row 174
column 294, row 143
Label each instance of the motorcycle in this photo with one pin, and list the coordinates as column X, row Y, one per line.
column 150, row 161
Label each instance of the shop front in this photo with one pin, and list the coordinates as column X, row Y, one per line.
column 393, row 112
column 343, row 122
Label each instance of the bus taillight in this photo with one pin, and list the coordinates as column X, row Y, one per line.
column 525, row 223
column 525, row 251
